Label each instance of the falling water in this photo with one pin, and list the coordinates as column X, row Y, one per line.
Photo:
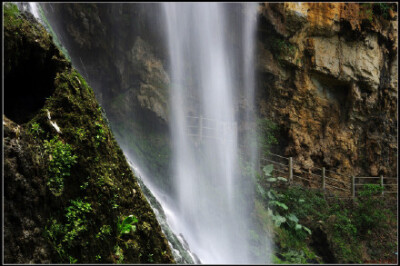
column 31, row 7
column 211, row 66
column 35, row 10
column 204, row 100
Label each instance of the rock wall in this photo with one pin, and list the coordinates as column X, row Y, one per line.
column 67, row 183
column 328, row 78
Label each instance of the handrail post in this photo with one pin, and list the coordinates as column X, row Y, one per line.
column 353, row 186
column 290, row 169
column 323, row 178
column 382, row 184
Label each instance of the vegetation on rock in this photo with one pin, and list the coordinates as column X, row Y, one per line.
column 71, row 197
column 307, row 227
column 61, row 161
column 90, row 182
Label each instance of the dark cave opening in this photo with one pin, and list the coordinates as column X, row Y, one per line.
column 321, row 246
column 27, row 86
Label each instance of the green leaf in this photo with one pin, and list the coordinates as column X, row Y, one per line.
column 126, row 226
column 278, row 220
column 292, row 217
column 298, row 226
column 271, row 179
column 280, row 204
column 275, row 194
column 307, row 230
column 268, row 169
column 271, row 195
column 130, row 220
column 270, row 213
column 282, row 179
column 125, row 229
column 261, row 190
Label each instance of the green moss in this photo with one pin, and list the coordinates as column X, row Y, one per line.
column 86, row 165
column 12, row 15
column 81, row 120
column 77, row 109
column 10, row 10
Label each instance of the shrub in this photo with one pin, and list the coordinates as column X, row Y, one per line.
column 369, row 213
column 76, row 219
column 279, row 212
column 344, row 226
column 61, row 161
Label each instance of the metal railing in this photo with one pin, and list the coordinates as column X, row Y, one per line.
column 327, row 180
column 207, row 128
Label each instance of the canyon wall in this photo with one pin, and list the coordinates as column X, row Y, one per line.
column 327, row 76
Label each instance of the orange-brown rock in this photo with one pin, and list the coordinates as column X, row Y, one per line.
column 336, row 102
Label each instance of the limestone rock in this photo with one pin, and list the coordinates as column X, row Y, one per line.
column 336, row 104
column 349, row 61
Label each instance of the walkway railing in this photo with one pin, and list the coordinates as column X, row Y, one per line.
column 207, row 128
column 328, row 180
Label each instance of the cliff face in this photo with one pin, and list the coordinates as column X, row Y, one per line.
column 328, row 78
column 68, row 185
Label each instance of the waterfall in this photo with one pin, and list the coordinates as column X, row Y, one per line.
column 165, row 216
column 211, row 66
column 34, row 8
column 31, row 7
column 205, row 94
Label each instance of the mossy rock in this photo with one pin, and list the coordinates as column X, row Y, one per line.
column 99, row 187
